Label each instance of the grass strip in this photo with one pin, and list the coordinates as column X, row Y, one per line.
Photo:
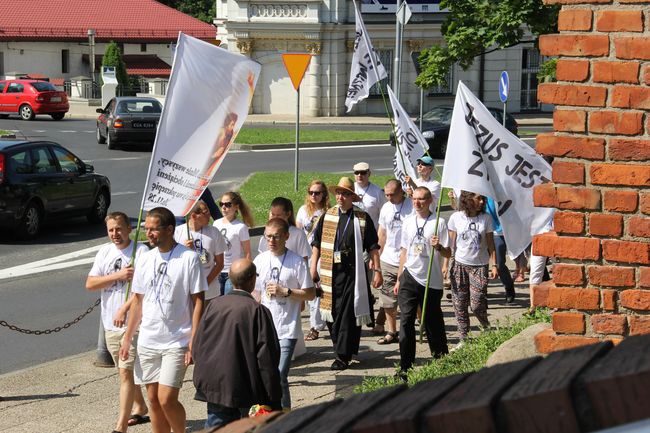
column 279, row 136
column 469, row 358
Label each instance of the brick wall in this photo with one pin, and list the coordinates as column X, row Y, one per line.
column 601, row 173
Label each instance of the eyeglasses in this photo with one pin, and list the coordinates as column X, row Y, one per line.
column 272, row 237
column 423, row 164
column 201, row 211
column 361, row 172
column 344, row 193
column 226, row 204
column 315, row 192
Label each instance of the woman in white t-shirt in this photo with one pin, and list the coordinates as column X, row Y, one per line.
column 282, row 208
column 470, row 233
column 238, row 244
column 317, row 201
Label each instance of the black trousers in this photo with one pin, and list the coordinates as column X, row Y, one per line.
column 409, row 297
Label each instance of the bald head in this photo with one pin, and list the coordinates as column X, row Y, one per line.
column 242, row 275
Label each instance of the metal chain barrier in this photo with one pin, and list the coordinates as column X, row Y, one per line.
column 53, row 330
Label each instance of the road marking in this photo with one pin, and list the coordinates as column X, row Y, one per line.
column 126, row 158
column 52, row 267
column 49, row 264
column 124, row 193
column 67, row 130
column 360, row 146
column 40, row 130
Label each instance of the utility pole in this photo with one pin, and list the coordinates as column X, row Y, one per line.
column 91, row 44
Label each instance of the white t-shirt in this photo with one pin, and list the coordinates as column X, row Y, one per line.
column 433, row 186
column 471, row 243
column 111, row 259
column 391, row 218
column 297, row 243
column 308, row 223
column 167, row 280
column 235, row 233
column 208, row 243
column 289, row 270
column 418, row 248
column 372, row 199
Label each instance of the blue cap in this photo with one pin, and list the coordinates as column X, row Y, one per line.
column 426, row 160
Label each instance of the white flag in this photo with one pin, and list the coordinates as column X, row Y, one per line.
column 366, row 67
column 485, row 158
column 209, row 93
column 408, row 140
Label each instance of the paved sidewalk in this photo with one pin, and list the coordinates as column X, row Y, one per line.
column 70, row 395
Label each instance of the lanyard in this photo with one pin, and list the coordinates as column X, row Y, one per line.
column 159, row 274
column 340, row 236
column 420, row 230
column 277, row 278
column 398, row 213
column 365, row 192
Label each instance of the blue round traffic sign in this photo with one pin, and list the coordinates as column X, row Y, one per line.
column 504, row 86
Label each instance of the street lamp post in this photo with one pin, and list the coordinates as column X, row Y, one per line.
column 91, row 44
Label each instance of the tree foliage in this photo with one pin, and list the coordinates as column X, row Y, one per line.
column 113, row 57
column 204, row 10
column 474, row 26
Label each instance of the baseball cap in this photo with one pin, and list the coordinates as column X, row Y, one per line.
column 426, row 160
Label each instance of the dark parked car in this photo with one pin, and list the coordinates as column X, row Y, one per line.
column 128, row 119
column 436, row 124
column 41, row 180
column 31, row 97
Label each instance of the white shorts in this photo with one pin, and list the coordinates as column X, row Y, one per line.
column 114, row 340
column 537, row 265
column 163, row 366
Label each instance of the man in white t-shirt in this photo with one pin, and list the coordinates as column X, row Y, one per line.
column 419, row 242
column 168, row 285
column 283, row 283
column 207, row 241
column 372, row 197
column 111, row 272
column 426, row 179
column 391, row 218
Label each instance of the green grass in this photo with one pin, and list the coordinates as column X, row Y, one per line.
column 527, row 133
column 277, row 136
column 4, row 132
column 469, row 358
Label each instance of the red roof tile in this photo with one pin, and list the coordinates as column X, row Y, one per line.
column 147, row 65
column 118, row 20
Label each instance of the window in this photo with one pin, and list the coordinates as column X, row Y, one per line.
column 44, row 86
column 385, row 57
column 143, row 48
column 444, row 89
column 2, row 86
column 42, row 162
column 15, row 88
column 2, row 63
column 65, row 61
column 67, row 161
column 21, row 163
column 530, row 60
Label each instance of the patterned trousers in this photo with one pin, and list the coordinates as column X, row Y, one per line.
column 469, row 289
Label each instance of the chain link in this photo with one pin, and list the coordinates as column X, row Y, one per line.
column 53, row 330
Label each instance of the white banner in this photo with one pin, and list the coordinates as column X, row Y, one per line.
column 366, row 67
column 485, row 158
column 208, row 96
column 408, row 140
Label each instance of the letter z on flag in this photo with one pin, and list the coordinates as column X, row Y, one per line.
column 485, row 158
column 366, row 67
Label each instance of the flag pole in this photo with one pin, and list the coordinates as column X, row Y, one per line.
column 426, row 286
column 135, row 249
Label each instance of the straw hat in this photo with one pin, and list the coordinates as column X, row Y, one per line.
column 345, row 184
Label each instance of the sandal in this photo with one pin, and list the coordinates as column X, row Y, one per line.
column 312, row 335
column 136, row 419
column 389, row 338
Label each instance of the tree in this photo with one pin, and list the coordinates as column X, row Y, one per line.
column 113, row 57
column 473, row 27
column 204, row 10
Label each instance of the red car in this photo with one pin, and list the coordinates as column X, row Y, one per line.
column 31, row 97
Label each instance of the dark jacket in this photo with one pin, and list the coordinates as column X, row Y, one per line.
column 236, row 353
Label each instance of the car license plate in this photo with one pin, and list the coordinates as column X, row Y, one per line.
column 55, row 99
column 143, row 124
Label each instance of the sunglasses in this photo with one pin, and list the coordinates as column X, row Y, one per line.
column 344, row 193
column 361, row 172
column 423, row 164
column 227, row 204
column 315, row 192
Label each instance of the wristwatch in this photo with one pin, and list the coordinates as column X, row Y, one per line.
column 289, row 291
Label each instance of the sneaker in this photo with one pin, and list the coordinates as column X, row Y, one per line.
column 338, row 365
column 402, row 376
column 460, row 344
column 510, row 299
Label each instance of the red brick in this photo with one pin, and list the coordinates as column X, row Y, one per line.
column 569, row 323
column 619, row 174
column 631, row 97
column 571, row 94
column 578, row 198
column 608, row 324
column 570, row 147
column 574, row 45
column 615, row 72
column 619, row 21
column 632, row 1
column 639, row 227
column 609, row 299
column 615, row 340
column 635, row 48
column 544, row 244
column 569, row 172
column 576, row 2
column 576, row 248
column 540, row 294
column 646, row 75
column 644, row 277
column 620, row 201
column 635, row 299
column 569, row 120
column 639, row 325
column 611, row 276
column 574, row 19
column 548, row 341
column 568, row 275
column 544, row 195
column 645, row 202
column 567, row 298
column 612, row 122
column 605, row 224
column 569, row 222
column 626, row 251
column 629, row 149
column 572, row 70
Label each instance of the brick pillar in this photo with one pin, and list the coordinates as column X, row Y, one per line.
column 601, row 173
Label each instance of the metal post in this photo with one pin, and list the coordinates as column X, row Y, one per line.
column 421, row 106
column 396, row 56
column 295, row 174
column 504, row 114
column 399, row 55
column 91, row 43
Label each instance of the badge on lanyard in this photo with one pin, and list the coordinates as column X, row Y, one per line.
column 337, row 257
column 418, row 249
column 203, row 257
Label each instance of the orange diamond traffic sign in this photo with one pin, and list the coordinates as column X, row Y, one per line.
column 296, row 65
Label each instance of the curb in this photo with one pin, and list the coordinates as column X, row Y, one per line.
column 304, row 145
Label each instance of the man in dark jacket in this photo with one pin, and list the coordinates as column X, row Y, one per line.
column 236, row 352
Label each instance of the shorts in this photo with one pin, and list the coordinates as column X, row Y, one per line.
column 387, row 297
column 163, row 366
column 114, row 340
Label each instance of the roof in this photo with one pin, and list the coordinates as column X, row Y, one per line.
column 117, row 20
column 147, row 65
